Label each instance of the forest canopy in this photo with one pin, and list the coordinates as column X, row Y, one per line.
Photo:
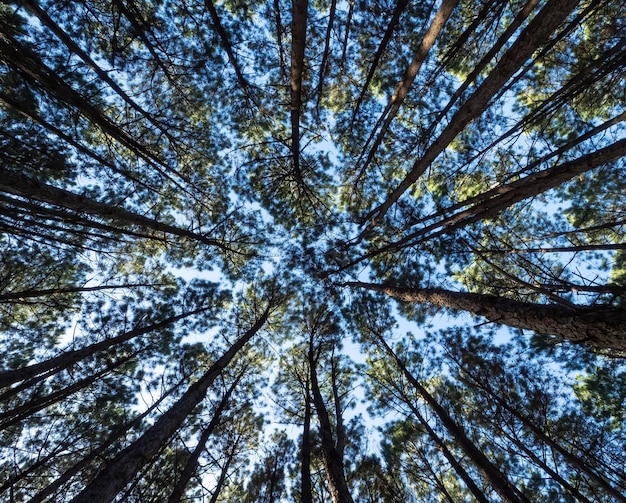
column 309, row 251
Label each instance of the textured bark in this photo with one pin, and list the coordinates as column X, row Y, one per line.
column 490, row 471
column 535, row 34
column 112, row 479
column 298, row 43
column 603, row 327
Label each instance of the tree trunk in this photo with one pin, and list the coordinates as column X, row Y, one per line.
column 402, row 89
column 395, row 17
column 298, row 43
column 535, row 34
column 305, row 450
column 602, row 327
column 65, row 360
column 333, row 461
column 24, row 186
column 99, row 452
column 192, row 462
column 492, row 474
column 105, row 486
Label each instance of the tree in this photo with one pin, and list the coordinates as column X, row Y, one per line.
column 312, row 251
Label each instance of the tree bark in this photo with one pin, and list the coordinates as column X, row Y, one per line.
column 395, row 17
column 105, row 486
column 602, row 327
column 333, row 460
column 24, row 186
column 192, row 463
column 305, row 449
column 402, row 89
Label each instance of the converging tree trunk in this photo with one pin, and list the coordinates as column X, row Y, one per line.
column 603, row 327
column 123, row 468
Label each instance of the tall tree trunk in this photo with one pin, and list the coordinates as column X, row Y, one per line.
column 219, row 28
column 402, row 89
column 527, row 423
column 192, row 463
column 492, row 474
column 99, row 452
column 603, row 327
column 305, row 449
column 26, row 410
column 322, row 72
column 299, row 15
column 393, row 22
column 105, row 486
column 535, row 34
column 24, row 186
column 68, row 358
column 441, row 445
column 333, row 460
column 47, row 292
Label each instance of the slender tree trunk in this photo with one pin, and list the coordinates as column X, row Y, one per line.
column 217, row 24
column 305, row 449
column 192, row 463
column 603, row 327
column 24, row 186
column 535, row 34
column 322, row 72
column 298, row 43
column 551, row 472
column 29, row 294
column 223, row 474
column 99, row 451
column 571, row 458
column 333, row 461
column 454, row 463
column 65, row 360
column 112, row 479
column 492, row 474
column 393, row 22
column 26, row 410
column 402, row 89
column 502, row 39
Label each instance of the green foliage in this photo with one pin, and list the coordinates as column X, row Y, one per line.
column 181, row 245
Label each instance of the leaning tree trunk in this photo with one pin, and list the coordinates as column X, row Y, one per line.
column 112, row 479
column 602, row 327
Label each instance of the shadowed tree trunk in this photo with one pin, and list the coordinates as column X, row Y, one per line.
column 112, row 479
column 603, row 327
